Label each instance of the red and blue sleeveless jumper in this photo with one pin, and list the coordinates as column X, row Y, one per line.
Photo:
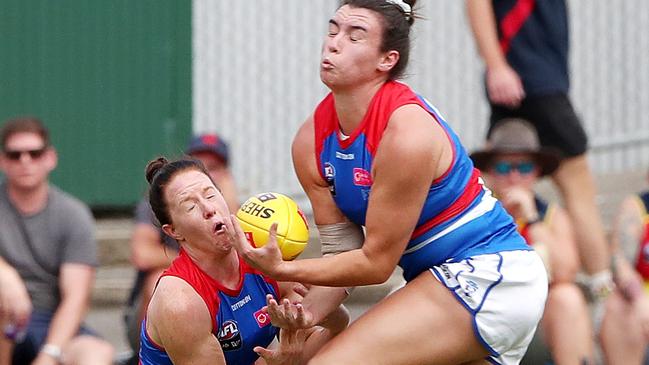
column 237, row 320
column 459, row 219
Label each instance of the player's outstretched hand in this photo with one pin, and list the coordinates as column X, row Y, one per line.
column 268, row 258
column 289, row 351
column 288, row 315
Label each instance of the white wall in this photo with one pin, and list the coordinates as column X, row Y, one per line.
column 256, row 78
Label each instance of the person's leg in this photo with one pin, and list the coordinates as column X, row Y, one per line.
column 566, row 324
column 487, row 305
column 26, row 349
column 88, row 350
column 421, row 323
column 559, row 127
column 621, row 336
column 577, row 186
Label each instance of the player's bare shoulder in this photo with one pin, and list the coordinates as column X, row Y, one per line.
column 303, row 152
column 304, row 140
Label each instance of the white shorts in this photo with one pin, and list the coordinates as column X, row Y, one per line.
column 505, row 293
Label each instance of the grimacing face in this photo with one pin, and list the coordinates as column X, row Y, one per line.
column 197, row 211
column 351, row 50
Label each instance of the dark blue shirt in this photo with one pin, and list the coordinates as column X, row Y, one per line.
column 539, row 50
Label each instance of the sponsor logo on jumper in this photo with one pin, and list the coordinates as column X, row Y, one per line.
column 241, row 303
column 362, row 177
column 229, row 336
column 262, row 318
column 344, row 156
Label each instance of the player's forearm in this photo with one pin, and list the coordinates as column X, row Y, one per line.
column 323, row 301
column 483, row 25
column 351, row 268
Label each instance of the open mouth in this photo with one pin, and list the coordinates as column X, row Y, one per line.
column 219, row 228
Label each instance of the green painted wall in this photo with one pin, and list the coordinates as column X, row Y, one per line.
column 112, row 81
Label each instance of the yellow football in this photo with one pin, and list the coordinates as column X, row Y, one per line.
column 259, row 212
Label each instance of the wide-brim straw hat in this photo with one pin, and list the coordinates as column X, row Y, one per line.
column 516, row 136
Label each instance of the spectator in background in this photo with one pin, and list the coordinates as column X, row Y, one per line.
column 625, row 331
column 513, row 162
column 524, row 45
column 47, row 257
column 152, row 250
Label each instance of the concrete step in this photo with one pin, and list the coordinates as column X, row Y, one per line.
column 113, row 235
column 112, row 285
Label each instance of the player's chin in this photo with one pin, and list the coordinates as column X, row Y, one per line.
column 224, row 246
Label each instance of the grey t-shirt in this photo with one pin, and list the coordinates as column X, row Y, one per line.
column 63, row 232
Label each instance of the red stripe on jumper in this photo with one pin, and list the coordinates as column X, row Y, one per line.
column 469, row 194
column 512, row 23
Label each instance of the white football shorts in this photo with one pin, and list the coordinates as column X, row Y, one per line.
column 505, row 292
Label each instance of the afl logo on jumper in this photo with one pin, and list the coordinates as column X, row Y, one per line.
column 330, row 175
column 229, row 336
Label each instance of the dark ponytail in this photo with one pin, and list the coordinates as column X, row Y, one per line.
column 153, row 167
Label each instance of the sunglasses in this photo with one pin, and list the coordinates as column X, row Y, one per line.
column 505, row 167
column 15, row 155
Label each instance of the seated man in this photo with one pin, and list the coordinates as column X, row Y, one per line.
column 152, row 250
column 625, row 329
column 512, row 164
column 47, row 257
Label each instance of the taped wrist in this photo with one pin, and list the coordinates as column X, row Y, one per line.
column 340, row 237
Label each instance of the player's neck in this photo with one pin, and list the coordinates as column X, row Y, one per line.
column 352, row 104
column 224, row 269
column 28, row 201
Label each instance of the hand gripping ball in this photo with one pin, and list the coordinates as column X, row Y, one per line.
column 259, row 212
